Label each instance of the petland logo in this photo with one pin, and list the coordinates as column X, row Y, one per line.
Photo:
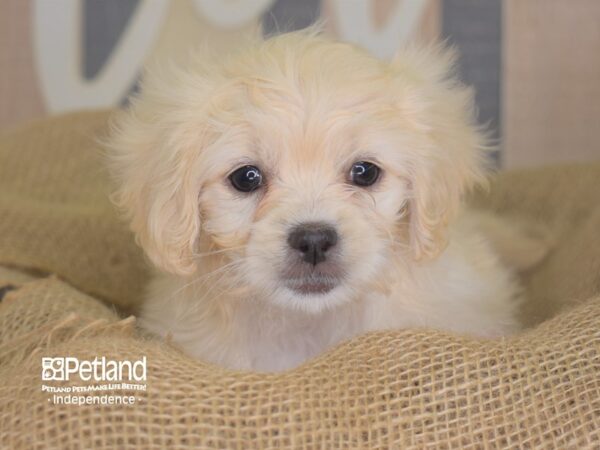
column 98, row 369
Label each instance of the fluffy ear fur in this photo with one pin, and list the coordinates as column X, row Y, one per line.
column 152, row 149
column 453, row 159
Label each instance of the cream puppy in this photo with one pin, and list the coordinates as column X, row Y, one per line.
column 301, row 192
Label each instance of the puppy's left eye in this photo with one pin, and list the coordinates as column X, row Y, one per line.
column 364, row 173
column 246, row 178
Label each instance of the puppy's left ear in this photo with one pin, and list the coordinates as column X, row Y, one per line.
column 451, row 156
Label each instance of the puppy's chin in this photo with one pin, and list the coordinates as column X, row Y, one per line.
column 311, row 298
column 304, row 279
column 311, row 285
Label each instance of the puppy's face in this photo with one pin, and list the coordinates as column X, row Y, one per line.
column 310, row 201
column 306, row 166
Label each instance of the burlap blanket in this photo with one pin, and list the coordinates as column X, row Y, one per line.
column 397, row 389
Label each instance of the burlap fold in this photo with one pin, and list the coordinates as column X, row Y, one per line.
column 400, row 389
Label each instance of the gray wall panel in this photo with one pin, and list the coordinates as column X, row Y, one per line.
column 474, row 26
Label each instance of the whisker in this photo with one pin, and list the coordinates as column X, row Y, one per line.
column 210, row 253
column 214, row 252
column 235, row 283
column 206, row 276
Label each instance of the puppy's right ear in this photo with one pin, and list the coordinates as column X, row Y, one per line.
column 153, row 152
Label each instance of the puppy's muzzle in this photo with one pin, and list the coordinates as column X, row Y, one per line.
column 313, row 265
column 313, row 241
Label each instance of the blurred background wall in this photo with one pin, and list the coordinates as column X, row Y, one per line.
column 535, row 63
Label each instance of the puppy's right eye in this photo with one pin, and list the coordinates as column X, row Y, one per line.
column 246, row 178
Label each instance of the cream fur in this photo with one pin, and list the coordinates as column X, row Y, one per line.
column 303, row 109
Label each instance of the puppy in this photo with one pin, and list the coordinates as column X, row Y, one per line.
column 301, row 192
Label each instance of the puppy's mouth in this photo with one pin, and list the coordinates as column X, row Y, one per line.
column 313, row 284
column 306, row 280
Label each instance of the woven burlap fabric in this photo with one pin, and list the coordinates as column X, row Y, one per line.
column 400, row 389
column 56, row 214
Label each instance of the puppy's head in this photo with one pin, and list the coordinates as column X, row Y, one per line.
column 307, row 166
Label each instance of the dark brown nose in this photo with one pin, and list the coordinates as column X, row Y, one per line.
column 313, row 240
